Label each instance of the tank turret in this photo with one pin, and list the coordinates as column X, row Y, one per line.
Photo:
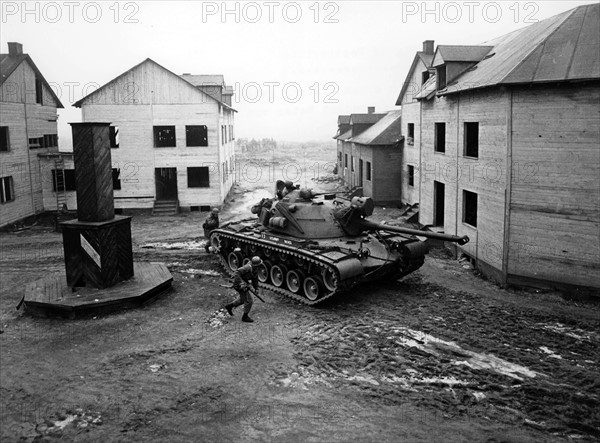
column 316, row 245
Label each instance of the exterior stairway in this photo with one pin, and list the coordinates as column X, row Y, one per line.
column 165, row 207
column 410, row 214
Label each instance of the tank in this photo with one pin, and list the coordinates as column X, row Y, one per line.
column 315, row 246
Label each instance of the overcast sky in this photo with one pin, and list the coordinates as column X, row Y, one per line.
column 294, row 66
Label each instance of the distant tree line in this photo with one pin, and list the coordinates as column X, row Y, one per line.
column 256, row 146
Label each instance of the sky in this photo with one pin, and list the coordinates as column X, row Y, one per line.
column 294, row 66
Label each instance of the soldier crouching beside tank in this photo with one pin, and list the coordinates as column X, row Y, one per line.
column 243, row 277
column 211, row 223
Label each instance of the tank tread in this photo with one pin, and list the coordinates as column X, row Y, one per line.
column 244, row 240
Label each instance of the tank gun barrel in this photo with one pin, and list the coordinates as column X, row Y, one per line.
column 369, row 225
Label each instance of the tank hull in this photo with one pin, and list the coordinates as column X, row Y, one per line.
column 312, row 271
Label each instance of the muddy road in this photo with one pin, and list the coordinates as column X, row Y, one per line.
column 441, row 355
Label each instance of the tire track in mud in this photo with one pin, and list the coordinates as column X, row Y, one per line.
column 371, row 346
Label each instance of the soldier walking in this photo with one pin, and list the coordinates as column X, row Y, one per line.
column 243, row 277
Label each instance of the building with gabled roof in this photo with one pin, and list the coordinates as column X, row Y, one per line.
column 369, row 153
column 503, row 139
column 173, row 137
column 28, row 127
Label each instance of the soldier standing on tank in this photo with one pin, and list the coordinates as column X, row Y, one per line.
column 212, row 222
column 243, row 277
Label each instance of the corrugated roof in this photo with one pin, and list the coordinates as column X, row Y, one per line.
column 449, row 53
column 387, row 131
column 365, row 119
column 561, row 48
column 8, row 63
column 204, row 80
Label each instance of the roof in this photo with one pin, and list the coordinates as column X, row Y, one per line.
column 228, row 90
column 365, row 119
column 561, row 48
column 446, row 53
column 8, row 64
column 426, row 59
column 345, row 136
column 387, row 131
column 428, row 88
column 204, row 80
column 343, row 120
column 78, row 103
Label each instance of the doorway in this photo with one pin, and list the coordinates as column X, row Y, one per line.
column 438, row 203
column 166, row 183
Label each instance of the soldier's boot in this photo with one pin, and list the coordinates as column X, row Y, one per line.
column 229, row 308
column 246, row 318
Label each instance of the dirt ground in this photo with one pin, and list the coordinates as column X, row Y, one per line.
column 441, row 355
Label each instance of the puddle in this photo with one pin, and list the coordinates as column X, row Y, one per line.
column 448, row 349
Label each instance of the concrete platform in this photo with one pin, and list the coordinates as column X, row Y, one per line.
column 51, row 294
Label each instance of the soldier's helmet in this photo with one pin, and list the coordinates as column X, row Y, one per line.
column 256, row 261
column 215, row 210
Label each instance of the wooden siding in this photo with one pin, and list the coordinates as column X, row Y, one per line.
column 25, row 119
column 163, row 99
column 414, row 83
column 411, row 113
column 555, row 197
column 386, row 174
column 486, row 175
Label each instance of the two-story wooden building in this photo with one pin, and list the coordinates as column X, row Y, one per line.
column 173, row 137
column 28, row 127
column 506, row 144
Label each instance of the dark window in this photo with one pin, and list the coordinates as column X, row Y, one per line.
column 63, row 180
column 116, row 173
column 198, row 177
column 441, row 77
column 340, row 157
column 369, row 171
column 36, row 142
column 470, row 208
column 439, row 144
column 196, row 135
column 39, row 91
column 411, row 130
column 472, row 139
column 438, row 203
column 4, row 139
column 345, row 160
column 352, row 164
column 50, row 141
column 113, row 135
column 411, row 175
column 424, row 77
column 6, row 190
column 164, row 137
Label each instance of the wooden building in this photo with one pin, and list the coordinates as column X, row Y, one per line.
column 172, row 137
column 28, row 127
column 352, row 168
column 506, row 149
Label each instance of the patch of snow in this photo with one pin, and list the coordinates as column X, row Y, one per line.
column 550, row 352
column 193, row 245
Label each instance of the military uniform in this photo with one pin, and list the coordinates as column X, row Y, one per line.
column 243, row 277
column 211, row 223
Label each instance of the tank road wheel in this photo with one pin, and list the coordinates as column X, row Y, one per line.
column 264, row 271
column 329, row 279
column 234, row 260
column 313, row 287
column 299, row 261
column 278, row 273
column 268, row 252
column 294, row 280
